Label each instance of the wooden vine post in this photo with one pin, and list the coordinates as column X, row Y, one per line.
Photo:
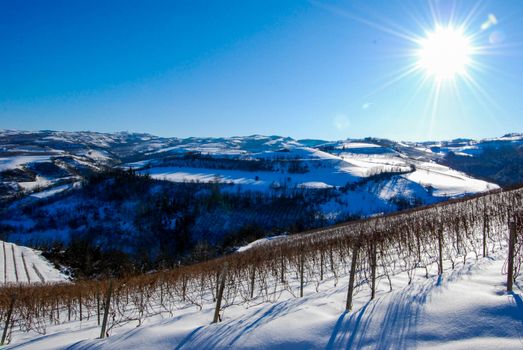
column 8, row 320
column 321, row 264
column 282, row 268
column 184, row 287
column 253, row 279
column 511, row 245
column 373, row 256
column 440, row 249
column 219, row 296
column 106, row 310
column 301, row 275
column 350, row 291
column 98, row 304
column 80, row 304
column 485, row 228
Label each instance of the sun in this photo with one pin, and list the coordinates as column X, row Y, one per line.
column 445, row 53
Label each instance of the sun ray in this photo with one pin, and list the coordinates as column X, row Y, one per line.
column 447, row 52
column 483, row 99
column 418, row 89
column 483, row 95
column 394, row 78
column 472, row 14
column 435, row 105
column 406, row 36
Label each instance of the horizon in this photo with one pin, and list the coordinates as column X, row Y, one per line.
column 318, row 70
column 512, row 133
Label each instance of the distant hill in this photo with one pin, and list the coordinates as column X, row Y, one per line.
column 166, row 200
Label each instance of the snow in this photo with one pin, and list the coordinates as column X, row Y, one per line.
column 314, row 184
column 7, row 163
column 327, row 171
column 216, row 149
column 297, row 153
column 260, row 242
column 466, row 308
column 97, row 155
column 335, row 165
column 369, row 165
column 135, row 165
column 41, row 182
column 508, row 137
column 447, row 182
column 349, row 145
column 25, row 265
column 247, row 179
column 50, row 192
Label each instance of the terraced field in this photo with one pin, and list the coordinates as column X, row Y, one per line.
column 24, row 265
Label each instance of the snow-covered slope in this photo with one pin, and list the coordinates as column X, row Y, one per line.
column 467, row 308
column 38, row 160
column 25, row 265
column 35, row 161
column 337, row 180
column 471, row 148
column 324, row 170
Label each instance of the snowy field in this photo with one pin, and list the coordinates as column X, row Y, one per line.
column 25, row 265
column 7, row 163
column 260, row 180
column 328, row 163
column 443, row 181
column 467, row 308
column 349, row 163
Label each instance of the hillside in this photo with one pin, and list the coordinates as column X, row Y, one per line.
column 429, row 278
column 187, row 200
column 34, row 161
column 25, row 265
column 466, row 309
column 138, row 202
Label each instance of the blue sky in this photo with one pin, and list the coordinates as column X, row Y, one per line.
column 317, row 69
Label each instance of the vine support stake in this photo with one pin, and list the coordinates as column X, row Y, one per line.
column 373, row 256
column 219, row 297
column 511, row 244
column 354, row 260
column 106, row 310
column 253, row 279
column 485, row 227
column 440, row 248
column 301, row 275
column 8, row 319
column 98, row 304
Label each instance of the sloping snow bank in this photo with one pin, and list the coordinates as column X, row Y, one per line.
column 465, row 309
column 25, row 265
column 260, row 242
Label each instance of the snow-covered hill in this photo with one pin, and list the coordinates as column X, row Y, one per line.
column 337, row 180
column 25, row 265
column 34, row 161
column 439, row 274
column 465, row 309
column 324, row 170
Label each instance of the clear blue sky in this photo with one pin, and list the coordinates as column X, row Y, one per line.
column 319, row 69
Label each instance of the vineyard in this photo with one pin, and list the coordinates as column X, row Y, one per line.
column 24, row 265
column 369, row 252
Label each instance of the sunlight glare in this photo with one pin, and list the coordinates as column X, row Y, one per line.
column 444, row 53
